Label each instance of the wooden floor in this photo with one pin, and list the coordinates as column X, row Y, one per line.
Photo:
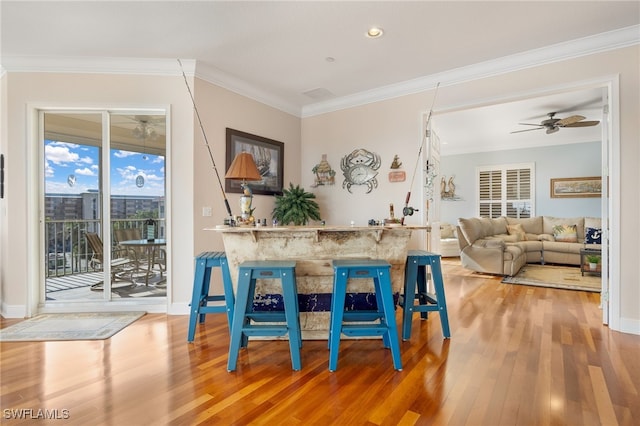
column 518, row 355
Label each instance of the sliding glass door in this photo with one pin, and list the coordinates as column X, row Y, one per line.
column 103, row 183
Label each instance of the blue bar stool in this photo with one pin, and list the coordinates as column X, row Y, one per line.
column 242, row 326
column 379, row 271
column 416, row 275
column 201, row 298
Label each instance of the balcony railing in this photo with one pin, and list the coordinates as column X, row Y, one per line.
column 66, row 249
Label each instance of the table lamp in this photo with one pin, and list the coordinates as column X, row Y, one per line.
column 244, row 168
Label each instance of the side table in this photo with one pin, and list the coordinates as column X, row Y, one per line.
column 584, row 265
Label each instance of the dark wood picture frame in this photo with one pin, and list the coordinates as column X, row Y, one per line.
column 268, row 155
column 578, row 187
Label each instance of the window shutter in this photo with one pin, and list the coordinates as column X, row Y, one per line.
column 505, row 191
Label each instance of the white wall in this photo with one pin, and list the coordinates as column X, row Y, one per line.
column 574, row 160
column 393, row 127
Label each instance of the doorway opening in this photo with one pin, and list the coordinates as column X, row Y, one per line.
column 596, row 100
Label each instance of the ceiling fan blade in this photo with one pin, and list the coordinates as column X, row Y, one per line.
column 569, row 120
column 530, row 124
column 527, row 130
column 583, row 124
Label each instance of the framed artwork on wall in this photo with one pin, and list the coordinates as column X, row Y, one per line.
column 268, row 155
column 578, row 187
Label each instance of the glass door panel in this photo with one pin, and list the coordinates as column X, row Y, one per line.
column 72, row 147
column 137, row 158
column 84, row 256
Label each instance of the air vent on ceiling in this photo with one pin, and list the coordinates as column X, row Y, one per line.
column 318, row 94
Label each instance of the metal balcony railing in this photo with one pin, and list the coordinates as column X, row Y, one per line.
column 66, row 248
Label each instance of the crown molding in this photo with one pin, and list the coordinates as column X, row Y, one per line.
column 98, row 65
column 598, row 43
column 227, row 81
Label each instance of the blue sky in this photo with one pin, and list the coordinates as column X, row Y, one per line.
column 73, row 169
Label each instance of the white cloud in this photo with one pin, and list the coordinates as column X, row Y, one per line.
column 48, row 170
column 124, row 154
column 59, row 154
column 85, row 172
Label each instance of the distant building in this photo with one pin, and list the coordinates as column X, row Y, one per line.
column 85, row 206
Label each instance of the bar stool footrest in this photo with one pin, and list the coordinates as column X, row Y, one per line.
column 265, row 330
column 363, row 330
column 267, row 316
column 361, row 316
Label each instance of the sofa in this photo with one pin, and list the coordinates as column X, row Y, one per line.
column 503, row 245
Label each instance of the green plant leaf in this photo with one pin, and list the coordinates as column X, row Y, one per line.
column 296, row 206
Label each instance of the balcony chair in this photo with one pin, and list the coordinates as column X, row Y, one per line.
column 124, row 262
column 141, row 253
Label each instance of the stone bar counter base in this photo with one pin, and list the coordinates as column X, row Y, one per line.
column 313, row 249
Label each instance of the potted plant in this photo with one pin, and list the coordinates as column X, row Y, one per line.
column 296, row 206
column 593, row 260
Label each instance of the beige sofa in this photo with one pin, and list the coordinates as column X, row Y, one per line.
column 503, row 245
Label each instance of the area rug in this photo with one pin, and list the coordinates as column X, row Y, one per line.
column 76, row 326
column 555, row 276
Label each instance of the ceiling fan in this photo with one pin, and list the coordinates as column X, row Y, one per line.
column 554, row 124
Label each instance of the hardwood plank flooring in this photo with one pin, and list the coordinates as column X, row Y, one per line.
column 518, row 355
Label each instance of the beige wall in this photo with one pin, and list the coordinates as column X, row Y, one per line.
column 29, row 91
column 219, row 109
column 4, row 147
column 393, row 127
column 190, row 177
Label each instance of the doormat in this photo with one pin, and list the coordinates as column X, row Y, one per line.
column 75, row 326
column 565, row 277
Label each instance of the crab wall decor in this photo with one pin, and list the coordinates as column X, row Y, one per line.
column 360, row 168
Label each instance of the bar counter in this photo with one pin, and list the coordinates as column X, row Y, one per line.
column 313, row 248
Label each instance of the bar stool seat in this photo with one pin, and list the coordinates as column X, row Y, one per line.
column 248, row 322
column 380, row 272
column 416, row 276
column 200, row 298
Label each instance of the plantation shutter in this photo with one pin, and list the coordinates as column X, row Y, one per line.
column 518, row 193
column 490, row 191
column 506, row 191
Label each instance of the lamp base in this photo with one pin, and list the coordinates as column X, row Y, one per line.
column 245, row 208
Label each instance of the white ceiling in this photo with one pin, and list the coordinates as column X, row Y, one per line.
column 277, row 52
column 489, row 128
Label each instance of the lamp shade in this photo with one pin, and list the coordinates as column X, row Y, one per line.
column 243, row 168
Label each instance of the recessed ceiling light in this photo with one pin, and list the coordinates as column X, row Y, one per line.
column 375, row 32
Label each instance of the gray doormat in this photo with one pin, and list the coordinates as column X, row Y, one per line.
column 73, row 326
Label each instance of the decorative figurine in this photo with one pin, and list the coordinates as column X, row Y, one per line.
column 447, row 190
column 325, row 175
column 396, row 163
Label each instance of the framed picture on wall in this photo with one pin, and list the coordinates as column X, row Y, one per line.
column 268, row 156
column 578, row 187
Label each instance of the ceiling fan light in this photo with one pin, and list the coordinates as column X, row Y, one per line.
column 137, row 132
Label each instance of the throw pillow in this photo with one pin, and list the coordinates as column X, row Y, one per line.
column 593, row 236
column 566, row 233
column 518, row 231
